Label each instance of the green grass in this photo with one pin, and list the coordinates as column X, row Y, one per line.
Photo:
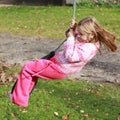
column 52, row 21
column 81, row 100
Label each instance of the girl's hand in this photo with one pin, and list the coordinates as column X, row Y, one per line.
column 72, row 29
column 73, row 24
column 70, row 32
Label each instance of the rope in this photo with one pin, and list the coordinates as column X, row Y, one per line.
column 74, row 9
column 74, row 17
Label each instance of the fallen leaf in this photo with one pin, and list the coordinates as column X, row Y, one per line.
column 56, row 114
column 118, row 118
column 86, row 115
column 47, row 106
column 10, row 78
column 2, row 78
column 65, row 117
column 23, row 109
column 12, row 114
column 82, row 111
column 5, row 67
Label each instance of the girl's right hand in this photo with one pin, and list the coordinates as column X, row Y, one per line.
column 73, row 24
column 71, row 31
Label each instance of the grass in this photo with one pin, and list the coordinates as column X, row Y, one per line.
column 52, row 21
column 53, row 100
column 80, row 100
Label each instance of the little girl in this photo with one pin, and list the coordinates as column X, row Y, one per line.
column 78, row 50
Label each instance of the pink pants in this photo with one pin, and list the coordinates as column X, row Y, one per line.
column 29, row 74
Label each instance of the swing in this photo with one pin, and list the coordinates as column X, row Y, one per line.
column 52, row 53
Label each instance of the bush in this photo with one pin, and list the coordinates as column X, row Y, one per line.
column 100, row 3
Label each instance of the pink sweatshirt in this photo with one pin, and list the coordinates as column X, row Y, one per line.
column 75, row 55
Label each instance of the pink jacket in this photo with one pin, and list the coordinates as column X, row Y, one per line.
column 74, row 56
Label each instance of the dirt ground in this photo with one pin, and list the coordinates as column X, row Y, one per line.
column 19, row 49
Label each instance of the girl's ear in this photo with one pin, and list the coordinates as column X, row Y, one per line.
column 91, row 36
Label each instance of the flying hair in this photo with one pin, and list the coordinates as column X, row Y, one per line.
column 90, row 25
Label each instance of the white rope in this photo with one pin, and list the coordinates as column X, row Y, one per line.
column 74, row 9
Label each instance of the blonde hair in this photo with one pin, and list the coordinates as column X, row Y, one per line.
column 90, row 25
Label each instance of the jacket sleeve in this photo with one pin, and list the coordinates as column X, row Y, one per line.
column 87, row 51
column 83, row 52
column 70, row 50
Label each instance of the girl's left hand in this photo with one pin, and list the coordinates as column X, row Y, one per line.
column 70, row 32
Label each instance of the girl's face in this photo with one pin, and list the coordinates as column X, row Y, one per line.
column 83, row 37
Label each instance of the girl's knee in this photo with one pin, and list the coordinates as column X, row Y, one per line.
column 29, row 64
